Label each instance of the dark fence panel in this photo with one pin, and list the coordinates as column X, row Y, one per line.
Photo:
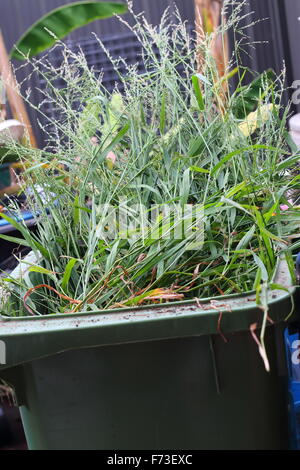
column 18, row 15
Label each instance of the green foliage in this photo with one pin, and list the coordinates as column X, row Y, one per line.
column 248, row 96
column 60, row 22
column 171, row 146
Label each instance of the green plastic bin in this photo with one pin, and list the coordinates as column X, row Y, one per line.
column 5, row 176
column 159, row 377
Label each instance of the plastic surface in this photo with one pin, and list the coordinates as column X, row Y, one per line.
column 294, row 392
column 5, row 177
column 27, row 217
column 294, row 123
column 159, row 377
column 292, row 342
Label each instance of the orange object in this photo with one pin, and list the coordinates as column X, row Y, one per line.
column 208, row 18
column 32, row 289
column 15, row 100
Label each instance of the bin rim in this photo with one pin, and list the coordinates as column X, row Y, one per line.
column 29, row 338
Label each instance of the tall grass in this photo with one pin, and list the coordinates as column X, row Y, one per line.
column 177, row 138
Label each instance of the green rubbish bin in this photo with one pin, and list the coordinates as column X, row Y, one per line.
column 5, row 175
column 153, row 377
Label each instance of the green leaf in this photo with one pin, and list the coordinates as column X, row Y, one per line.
column 197, row 91
column 7, row 156
column 244, row 242
column 197, row 146
column 288, row 162
column 229, row 75
column 68, row 272
column 34, row 244
column 256, row 285
column 198, row 169
column 236, row 189
column 248, row 98
column 291, row 265
column 61, row 22
column 263, row 269
column 274, row 286
column 205, row 140
column 112, row 257
column 41, row 249
column 18, row 241
column 235, row 204
column 272, row 236
column 101, row 155
column 266, row 235
column 76, row 211
column 185, row 186
column 39, row 269
column 35, row 167
column 163, row 114
column 239, row 151
column 84, row 209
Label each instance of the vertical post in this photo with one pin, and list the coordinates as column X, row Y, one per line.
column 2, row 352
column 208, row 15
column 2, row 101
column 15, row 101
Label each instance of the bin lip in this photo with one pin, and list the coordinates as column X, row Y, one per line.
column 210, row 306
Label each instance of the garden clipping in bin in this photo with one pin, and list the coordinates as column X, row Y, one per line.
column 99, row 306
